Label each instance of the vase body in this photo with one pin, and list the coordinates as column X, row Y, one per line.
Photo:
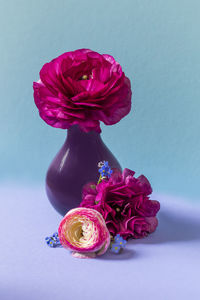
column 75, row 165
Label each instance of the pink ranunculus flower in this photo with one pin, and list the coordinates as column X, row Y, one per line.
column 82, row 87
column 83, row 230
column 123, row 201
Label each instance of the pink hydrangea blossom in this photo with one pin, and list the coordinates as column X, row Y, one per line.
column 124, row 202
column 82, row 87
column 83, row 230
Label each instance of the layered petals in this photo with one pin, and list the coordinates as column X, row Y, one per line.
column 82, row 87
column 123, row 200
column 83, row 230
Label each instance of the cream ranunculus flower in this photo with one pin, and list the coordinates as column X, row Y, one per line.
column 83, row 230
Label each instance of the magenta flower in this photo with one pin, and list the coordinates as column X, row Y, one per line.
column 82, row 87
column 83, row 230
column 124, row 202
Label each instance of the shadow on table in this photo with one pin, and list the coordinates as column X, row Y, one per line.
column 124, row 255
column 173, row 228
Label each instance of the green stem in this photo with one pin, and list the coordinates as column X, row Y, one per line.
column 100, row 178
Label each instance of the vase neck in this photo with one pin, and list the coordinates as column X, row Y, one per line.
column 74, row 132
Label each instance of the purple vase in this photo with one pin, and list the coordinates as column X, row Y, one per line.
column 76, row 164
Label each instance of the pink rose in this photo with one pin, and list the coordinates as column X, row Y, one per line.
column 83, row 230
column 124, row 202
column 82, row 87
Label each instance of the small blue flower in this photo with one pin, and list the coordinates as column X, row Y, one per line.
column 53, row 241
column 119, row 240
column 115, row 248
column 105, row 169
column 118, row 244
column 55, row 235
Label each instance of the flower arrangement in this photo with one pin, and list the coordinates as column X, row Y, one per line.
column 82, row 87
column 123, row 201
column 112, row 211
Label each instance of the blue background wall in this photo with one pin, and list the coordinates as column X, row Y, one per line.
column 158, row 45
